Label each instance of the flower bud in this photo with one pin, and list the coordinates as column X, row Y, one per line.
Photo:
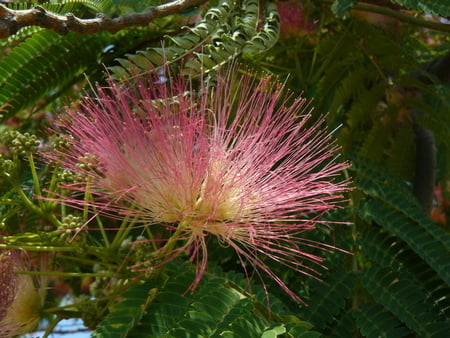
column 21, row 144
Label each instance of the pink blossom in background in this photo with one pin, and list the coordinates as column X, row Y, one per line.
column 293, row 21
column 235, row 159
column 20, row 301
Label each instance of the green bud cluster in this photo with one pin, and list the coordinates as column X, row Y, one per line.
column 62, row 142
column 21, row 144
column 68, row 177
column 70, row 224
column 99, row 284
column 7, row 167
column 90, row 162
column 71, row 221
column 143, row 253
column 90, row 315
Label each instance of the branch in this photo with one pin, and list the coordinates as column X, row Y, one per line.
column 13, row 20
column 384, row 3
column 403, row 17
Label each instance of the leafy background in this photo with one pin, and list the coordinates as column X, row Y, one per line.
column 383, row 80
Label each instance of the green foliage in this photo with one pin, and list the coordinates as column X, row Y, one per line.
column 229, row 30
column 57, row 63
column 341, row 8
column 126, row 314
column 42, row 66
column 327, row 298
column 46, row 53
column 41, row 62
column 77, row 7
column 409, row 269
column 396, row 283
column 74, row 6
column 373, row 318
column 406, row 213
column 217, row 308
column 405, row 300
column 368, row 84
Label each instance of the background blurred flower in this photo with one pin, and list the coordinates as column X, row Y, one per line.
column 234, row 160
column 21, row 301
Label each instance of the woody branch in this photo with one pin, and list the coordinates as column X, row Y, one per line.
column 13, row 20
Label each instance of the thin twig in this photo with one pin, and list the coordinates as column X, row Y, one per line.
column 405, row 17
column 399, row 15
column 13, row 20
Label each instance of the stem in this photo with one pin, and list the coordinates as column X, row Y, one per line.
column 39, row 210
column 399, row 16
column 151, row 237
column 124, row 230
column 28, row 204
column 102, row 231
column 67, row 274
column 36, row 183
column 53, row 181
column 86, row 261
column 404, row 17
column 29, row 247
column 68, row 306
column 354, row 234
column 52, row 325
column 34, row 208
column 172, row 240
column 88, row 197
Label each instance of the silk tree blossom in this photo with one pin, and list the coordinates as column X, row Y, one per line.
column 294, row 19
column 21, row 301
column 236, row 159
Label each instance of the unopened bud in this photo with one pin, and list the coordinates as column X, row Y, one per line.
column 21, row 144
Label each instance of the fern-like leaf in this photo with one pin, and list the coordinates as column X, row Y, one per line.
column 45, row 63
column 405, row 300
column 328, row 296
column 376, row 321
column 182, row 45
column 389, row 251
column 65, row 6
column 42, row 63
column 217, row 308
column 267, row 36
column 226, row 31
column 396, row 219
column 126, row 314
column 376, row 183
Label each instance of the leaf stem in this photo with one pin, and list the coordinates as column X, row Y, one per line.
column 88, row 197
column 172, row 240
column 125, row 227
column 36, row 183
column 33, row 207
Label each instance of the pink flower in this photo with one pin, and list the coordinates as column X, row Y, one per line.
column 294, row 22
column 235, row 159
column 21, row 302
